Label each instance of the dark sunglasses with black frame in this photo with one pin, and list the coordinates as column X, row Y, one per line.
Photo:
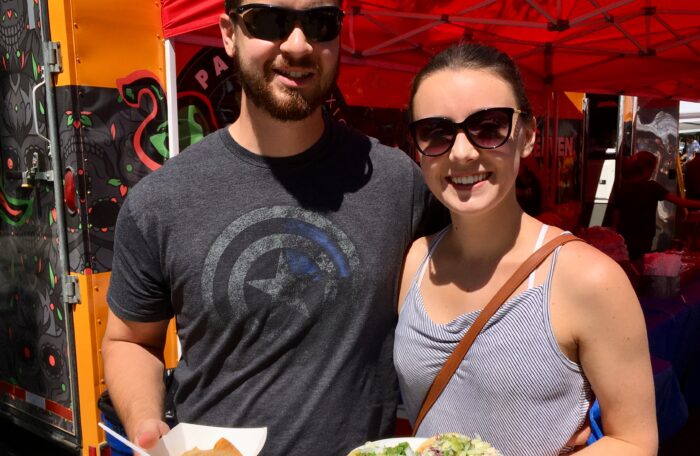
column 488, row 128
column 272, row 23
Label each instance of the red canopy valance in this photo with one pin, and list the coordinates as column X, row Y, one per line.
column 638, row 47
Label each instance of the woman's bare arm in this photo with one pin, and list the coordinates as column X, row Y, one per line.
column 610, row 333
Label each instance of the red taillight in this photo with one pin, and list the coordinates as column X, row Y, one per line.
column 105, row 450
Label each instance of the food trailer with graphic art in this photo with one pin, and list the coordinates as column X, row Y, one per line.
column 83, row 120
column 85, row 117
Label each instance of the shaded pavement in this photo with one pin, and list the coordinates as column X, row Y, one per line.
column 16, row 441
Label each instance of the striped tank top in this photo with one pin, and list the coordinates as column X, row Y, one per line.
column 515, row 388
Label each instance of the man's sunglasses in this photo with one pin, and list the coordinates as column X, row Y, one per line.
column 272, row 23
column 486, row 129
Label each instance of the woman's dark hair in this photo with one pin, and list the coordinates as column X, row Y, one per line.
column 475, row 56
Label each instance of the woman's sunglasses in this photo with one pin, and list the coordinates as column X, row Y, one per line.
column 272, row 23
column 486, row 129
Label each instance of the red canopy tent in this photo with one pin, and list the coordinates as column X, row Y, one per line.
column 647, row 48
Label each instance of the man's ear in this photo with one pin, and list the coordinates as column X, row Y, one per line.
column 228, row 34
column 529, row 134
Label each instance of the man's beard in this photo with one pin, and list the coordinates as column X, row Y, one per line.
column 295, row 105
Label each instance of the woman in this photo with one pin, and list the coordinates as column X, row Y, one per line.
column 573, row 332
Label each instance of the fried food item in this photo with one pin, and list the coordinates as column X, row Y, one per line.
column 221, row 448
column 223, row 444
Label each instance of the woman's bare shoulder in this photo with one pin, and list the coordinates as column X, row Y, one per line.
column 591, row 277
column 416, row 253
column 421, row 246
column 414, row 257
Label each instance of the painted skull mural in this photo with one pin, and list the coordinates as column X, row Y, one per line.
column 32, row 322
column 109, row 141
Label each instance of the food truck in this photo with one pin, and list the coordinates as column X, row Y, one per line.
column 97, row 95
column 83, row 120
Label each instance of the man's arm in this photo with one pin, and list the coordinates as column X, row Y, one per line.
column 133, row 362
column 682, row 202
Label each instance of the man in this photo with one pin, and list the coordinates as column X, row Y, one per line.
column 636, row 204
column 692, row 172
column 276, row 243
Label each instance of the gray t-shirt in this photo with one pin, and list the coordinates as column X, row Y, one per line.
column 282, row 274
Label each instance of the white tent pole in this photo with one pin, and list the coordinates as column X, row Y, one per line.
column 453, row 18
column 384, row 27
column 171, row 98
column 393, row 50
column 441, row 20
column 373, row 50
column 555, row 154
column 383, row 64
column 542, row 11
column 674, row 33
column 487, row 21
column 407, row 15
column 670, row 44
column 598, row 11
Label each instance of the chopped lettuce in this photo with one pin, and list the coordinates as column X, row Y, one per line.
column 459, row 445
column 371, row 449
column 448, row 444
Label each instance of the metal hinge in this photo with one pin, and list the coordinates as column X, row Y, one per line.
column 71, row 289
column 30, row 176
column 52, row 55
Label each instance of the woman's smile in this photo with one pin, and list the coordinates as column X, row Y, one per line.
column 468, row 180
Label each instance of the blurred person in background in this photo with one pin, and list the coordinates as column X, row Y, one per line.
column 636, row 202
column 692, row 171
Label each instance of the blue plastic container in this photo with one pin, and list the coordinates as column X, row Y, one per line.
column 115, row 446
column 110, row 419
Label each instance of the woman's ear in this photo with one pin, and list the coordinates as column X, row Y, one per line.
column 529, row 135
column 228, row 34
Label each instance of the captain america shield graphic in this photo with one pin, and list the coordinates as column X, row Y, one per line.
column 277, row 267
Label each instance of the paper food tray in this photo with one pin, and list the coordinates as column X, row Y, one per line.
column 185, row 436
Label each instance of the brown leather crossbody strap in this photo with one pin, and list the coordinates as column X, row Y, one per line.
column 443, row 377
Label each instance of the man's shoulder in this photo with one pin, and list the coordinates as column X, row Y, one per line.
column 200, row 150
column 380, row 154
column 176, row 173
column 657, row 188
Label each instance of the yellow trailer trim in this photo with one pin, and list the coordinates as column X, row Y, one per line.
column 90, row 322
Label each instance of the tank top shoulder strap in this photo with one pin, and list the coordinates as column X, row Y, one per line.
column 555, row 254
column 538, row 244
column 418, row 277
